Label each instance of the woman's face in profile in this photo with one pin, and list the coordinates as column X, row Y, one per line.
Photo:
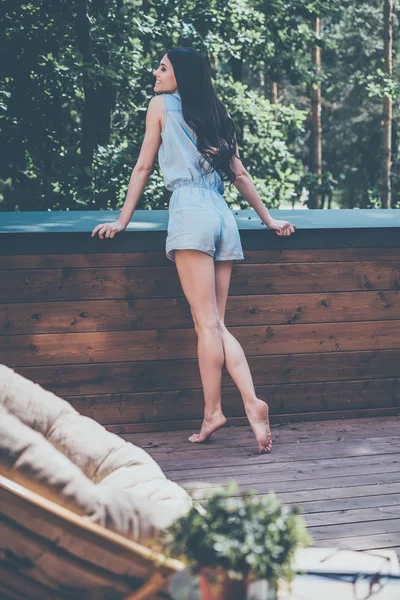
column 165, row 77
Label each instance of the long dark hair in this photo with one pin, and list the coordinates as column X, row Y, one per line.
column 203, row 112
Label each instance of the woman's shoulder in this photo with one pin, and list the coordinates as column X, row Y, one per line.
column 155, row 110
column 157, row 101
column 168, row 101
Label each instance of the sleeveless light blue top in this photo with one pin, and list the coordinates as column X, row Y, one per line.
column 178, row 155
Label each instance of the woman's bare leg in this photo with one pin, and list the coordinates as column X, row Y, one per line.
column 197, row 276
column 256, row 409
column 237, row 365
column 206, row 289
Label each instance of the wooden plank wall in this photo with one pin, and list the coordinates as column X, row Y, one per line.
column 112, row 333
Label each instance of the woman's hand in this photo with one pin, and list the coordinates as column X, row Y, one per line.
column 108, row 229
column 281, row 227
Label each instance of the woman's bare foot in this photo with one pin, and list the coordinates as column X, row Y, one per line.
column 259, row 422
column 208, row 427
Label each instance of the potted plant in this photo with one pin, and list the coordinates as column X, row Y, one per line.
column 231, row 538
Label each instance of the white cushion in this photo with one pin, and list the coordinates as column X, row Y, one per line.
column 113, row 482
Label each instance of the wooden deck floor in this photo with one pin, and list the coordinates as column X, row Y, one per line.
column 345, row 474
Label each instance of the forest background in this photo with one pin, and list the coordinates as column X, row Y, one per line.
column 76, row 80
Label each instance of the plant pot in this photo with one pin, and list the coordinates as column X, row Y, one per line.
column 216, row 585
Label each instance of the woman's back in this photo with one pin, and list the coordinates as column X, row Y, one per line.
column 178, row 155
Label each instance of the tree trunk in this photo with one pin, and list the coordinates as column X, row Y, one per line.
column 146, row 38
column 274, row 93
column 316, row 141
column 88, row 140
column 387, row 108
column 271, row 92
column 236, row 65
column 106, row 99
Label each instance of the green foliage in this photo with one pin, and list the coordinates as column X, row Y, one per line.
column 76, row 80
column 76, row 87
column 245, row 534
column 380, row 85
column 267, row 133
column 352, row 105
column 323, row 186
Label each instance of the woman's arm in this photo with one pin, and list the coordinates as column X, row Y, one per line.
column 245, row 186
column 145, row 162
column 141, row 171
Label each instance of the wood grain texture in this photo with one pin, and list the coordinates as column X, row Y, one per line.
column 61, row 554
column 175, row 375
column 167, row 344
column 142, row 259
column 163, row 282
column 344, row 474
column 82, row 316
column 112, row 332
column 283, row 399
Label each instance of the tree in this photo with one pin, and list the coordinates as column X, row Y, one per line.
column 387, row 107
column 316, row 134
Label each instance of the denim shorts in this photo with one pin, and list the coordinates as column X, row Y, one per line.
column 200, row 219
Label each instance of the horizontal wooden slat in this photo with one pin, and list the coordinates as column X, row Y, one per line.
column 360, row 515
column 163, row 375
column 113, row 259
column 302, row 484
column 350, row 429
column 195, row 424
column 370, row 446
column 161, row 282
column 326, row 506
column 262, row 472
column 282, row 437
column 346, row 531
column 167, row 344
column 327, row 484
column 282, row 399
column 130, row 259
column 82, row 316
column 294, row 473
column 367, row 542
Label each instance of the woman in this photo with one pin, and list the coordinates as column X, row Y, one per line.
column 195, row 139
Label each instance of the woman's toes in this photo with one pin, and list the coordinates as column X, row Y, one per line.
column 267, row 448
